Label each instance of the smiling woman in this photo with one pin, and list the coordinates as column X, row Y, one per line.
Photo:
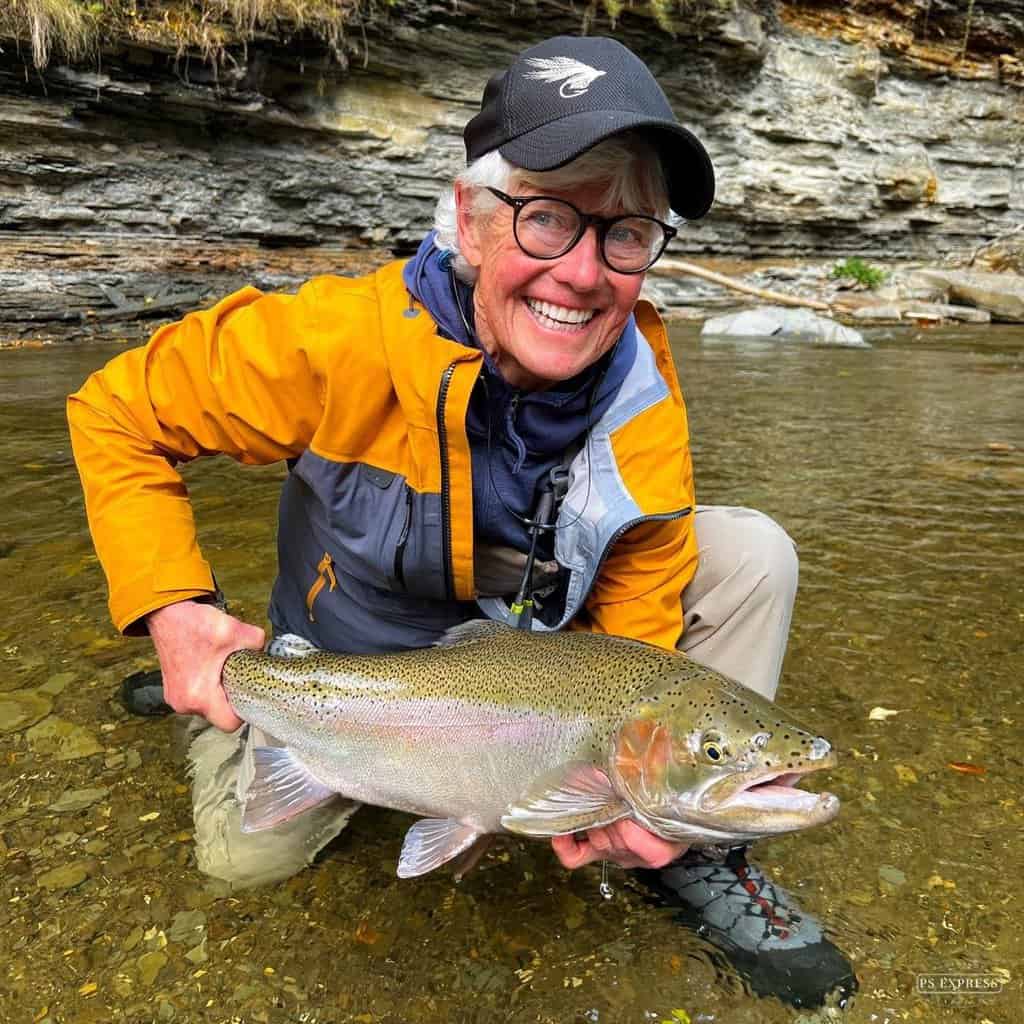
column 492, row 428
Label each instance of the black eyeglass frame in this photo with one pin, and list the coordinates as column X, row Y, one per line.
column 602, row 224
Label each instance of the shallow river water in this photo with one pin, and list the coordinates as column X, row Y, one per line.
column 898, row 470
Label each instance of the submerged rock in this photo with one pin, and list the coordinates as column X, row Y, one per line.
column 57, row 683
column 20, row 710
column 150, row 965
column 188, row 928
column 67, row 876
column 891, row 876
column 77, row 799
column 65, row 740
column 781, row 323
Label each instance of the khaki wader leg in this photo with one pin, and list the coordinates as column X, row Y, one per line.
column 221, row 765
column 738, row 606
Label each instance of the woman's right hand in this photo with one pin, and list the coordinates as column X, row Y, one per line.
column 193, row 640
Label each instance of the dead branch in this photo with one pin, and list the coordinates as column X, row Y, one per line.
column 671, row 267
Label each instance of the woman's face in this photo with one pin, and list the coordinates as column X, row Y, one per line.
column 543, row 321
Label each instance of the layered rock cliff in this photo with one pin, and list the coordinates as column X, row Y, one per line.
column 889, row 129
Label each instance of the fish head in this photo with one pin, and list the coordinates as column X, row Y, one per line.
column 714, row 763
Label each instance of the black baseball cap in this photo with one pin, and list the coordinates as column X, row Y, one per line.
column 564, row 95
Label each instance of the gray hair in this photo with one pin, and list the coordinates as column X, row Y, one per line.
column 627, row 165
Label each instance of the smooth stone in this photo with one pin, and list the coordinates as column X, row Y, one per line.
column 78, row 799
column 132, row 939
column 781, row 323
column 150, row 965
column 20, row 710
column 188, row 927
column 1001, row 294
column 893, row 876
column 911, row 311
column 68, row 876
column 66, row 740
column 197, row 954
column 57, row 683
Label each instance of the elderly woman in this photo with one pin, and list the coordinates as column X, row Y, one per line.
column 504, row 392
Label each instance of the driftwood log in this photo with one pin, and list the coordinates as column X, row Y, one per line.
column 672, row 267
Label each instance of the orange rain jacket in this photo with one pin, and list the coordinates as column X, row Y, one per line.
column 349, row 381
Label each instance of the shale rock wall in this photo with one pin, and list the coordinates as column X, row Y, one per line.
column 836, row 129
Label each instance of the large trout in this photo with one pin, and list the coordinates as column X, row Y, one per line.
column 538, row 734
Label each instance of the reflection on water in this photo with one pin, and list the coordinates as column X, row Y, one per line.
column 898, row 470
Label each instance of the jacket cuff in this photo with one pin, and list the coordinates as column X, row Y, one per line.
column 168, row 583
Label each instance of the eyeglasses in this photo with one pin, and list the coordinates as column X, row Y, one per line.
column 546, row 228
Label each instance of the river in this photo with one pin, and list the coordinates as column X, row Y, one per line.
column 899, row 472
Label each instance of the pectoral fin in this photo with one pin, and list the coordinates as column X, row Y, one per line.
column 575, row 797
column 280, row 789
column 431, row 842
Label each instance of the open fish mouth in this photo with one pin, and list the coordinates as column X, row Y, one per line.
column 777, row 793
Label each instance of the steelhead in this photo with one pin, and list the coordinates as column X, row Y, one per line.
column 537, row 734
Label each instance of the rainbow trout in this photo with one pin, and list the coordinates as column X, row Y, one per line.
column 538, row 734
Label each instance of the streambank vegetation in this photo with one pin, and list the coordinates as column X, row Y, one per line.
column 75, row 30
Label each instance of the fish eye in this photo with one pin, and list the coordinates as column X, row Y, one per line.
column 713, row 747
column 713, row 751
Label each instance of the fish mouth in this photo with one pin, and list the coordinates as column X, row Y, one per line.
column 772, row 794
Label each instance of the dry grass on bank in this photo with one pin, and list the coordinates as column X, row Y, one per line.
column 74, row 29
column 49, row 25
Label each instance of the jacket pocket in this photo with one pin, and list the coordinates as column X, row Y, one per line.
column 403, row 540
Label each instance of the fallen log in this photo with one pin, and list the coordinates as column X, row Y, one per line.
column 672, row 266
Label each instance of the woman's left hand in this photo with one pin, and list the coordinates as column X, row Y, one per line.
column 623, row 842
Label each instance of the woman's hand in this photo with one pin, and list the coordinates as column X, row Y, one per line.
column 193, row 641
column 623, row 842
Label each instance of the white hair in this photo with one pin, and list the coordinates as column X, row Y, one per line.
column 627, row 165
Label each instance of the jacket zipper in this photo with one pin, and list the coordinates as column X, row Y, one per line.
column 325, row 576
column 446, row 497
column 403, row 538
column 662, row 517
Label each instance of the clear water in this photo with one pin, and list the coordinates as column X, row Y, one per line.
column 898, row 470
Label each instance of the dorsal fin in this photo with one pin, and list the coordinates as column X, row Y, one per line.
column 472, row 631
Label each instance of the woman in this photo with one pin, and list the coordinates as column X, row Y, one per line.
column 437, row 416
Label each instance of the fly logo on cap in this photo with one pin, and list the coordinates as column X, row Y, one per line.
column 545, row 110
column 575, row 76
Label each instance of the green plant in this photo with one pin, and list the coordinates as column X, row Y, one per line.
column 677, row 1017
column 861, row 272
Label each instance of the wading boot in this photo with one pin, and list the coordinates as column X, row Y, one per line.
column 142, row 693
column 775, row 945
